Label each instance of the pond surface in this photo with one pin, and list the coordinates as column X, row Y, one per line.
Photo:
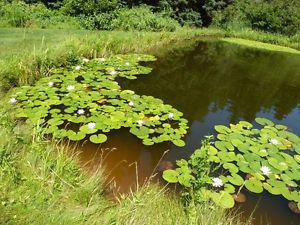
column 211, row 82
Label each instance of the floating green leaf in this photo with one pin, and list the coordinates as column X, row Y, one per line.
column 98, row 139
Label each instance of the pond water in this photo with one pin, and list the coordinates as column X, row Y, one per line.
column 211, row 82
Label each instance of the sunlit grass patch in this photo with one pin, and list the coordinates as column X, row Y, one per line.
column 261, row 45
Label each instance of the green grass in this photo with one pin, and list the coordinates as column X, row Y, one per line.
column 276, row 39
column 261, row 45
column 18, row 41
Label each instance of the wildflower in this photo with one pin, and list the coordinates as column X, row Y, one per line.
column 85, row 60
column 70, row 87
column 131, row 103
column 171, row 115
column 50, row 84
column 91, row 125
column 141, row 122
column 217, row 182
column 274, row 141
column 80, row 111
column 265, row 170
column 77, row 67
column 13, row 101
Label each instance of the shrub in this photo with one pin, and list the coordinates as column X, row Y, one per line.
column 274, row 16
column 142, row 18
column 89, row 7
column 16, row 14
column 139, row 18
column 19, row 14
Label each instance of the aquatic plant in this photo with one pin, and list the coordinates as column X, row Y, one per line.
column 265, row 158
column 86, row 101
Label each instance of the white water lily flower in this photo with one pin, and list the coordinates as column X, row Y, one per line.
column 274, row 141
column 102, row 59
column 171, row 115
column 85, row 60
column 50, row 84
column 265, row 170
column 91, row 125
column 217, row 182
column 127, row 64
column 113, row 72
column 70, row 87
column 141, row 122
column 13, row 101
column 80, row 111
column 131, row 103
column 263, row 150
column 77, row 67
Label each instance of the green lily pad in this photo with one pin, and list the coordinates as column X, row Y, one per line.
column 98, row 139
column 171, row 176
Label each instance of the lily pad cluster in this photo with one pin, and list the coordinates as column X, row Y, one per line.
column 260, row 159
column 86, row 101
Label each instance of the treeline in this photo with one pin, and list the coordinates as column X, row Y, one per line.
column 276, row 16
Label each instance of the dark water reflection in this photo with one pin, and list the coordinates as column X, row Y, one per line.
column 211, row 82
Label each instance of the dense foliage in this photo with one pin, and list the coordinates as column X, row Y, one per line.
column 275, row 16
column 243, row 158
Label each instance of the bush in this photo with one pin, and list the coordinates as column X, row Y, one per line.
column 86, row 8
column 274, row 16
column 16, row 14
column 142, row 18
column 19, row 14
column 137, row 18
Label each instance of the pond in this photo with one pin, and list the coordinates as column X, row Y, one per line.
column 211, row 82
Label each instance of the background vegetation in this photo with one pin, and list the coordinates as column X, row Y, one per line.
column 274, row 16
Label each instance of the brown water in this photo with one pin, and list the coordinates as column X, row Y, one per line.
column 211, row 82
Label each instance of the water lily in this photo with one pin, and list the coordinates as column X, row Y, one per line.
column 85, row 60
column 127, row 64
column 77, row 67
column 91, row 125
column 171, row 115
column 141, row 122
column 80, row 111
column 265, row 170
column 217, row 182
column 50, row 84
column 113, row 72
column 131, row 103
column 274, row 141
column 70, row 87
column 13, row 101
